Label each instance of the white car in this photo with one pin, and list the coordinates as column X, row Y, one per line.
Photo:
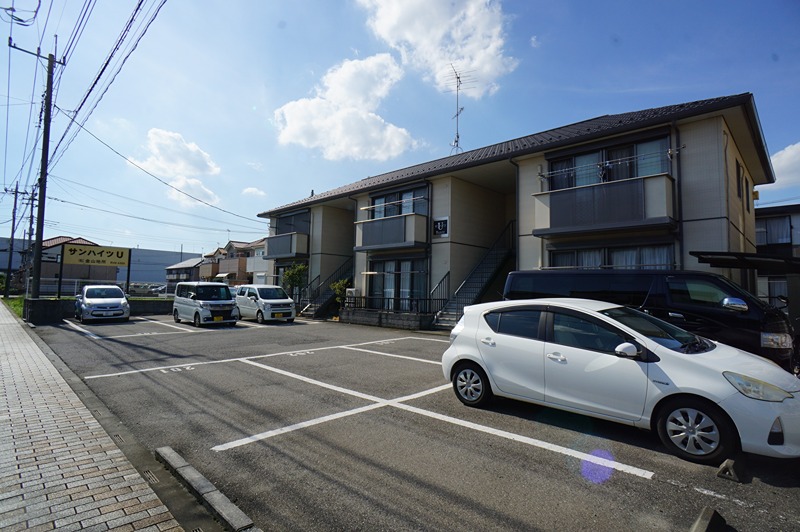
column 101, row 302
column 706, row 400
column 264, row 302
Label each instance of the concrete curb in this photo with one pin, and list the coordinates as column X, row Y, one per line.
column 228, row 513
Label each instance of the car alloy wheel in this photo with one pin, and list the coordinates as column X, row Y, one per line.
column 197, row 320
column 696, row 430
column 260, row 317
column 471, row 385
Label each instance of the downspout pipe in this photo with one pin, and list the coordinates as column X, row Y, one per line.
column 679, row 192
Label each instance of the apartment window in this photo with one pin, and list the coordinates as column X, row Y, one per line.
column 396, row 203
column 398, row 284
column 773, row 230
column 610, row 164
column 299, row 222
column 739, row 177
column 657, row 257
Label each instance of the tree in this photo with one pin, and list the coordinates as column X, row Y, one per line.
column 295, row 277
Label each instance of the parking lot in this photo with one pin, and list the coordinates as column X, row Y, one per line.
column 321, row 425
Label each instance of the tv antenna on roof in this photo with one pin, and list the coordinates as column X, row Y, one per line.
column 459, row 78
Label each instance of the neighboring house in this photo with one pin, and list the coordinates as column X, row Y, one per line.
column 209, row 268
column 235, row 263
column 187, row 270
column 258, row 269
column 637, row 189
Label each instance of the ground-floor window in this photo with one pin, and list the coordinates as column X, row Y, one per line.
column 656, row 257
column 775, row 287
column 398, row 284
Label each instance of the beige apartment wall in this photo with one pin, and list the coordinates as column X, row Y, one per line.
column 529, row 247
column 332, row 239
column 360, row 263
column 476, row 218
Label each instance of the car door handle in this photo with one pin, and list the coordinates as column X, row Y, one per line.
column 488, row 341
column 677, row 315
column 558, row 357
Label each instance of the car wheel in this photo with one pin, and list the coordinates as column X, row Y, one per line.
column 471, row 385
column 697, row 430
column 175, row 316
column 260, row 317
column 197, row 322
column 290, row 320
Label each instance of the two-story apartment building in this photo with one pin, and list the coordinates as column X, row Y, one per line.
column 638, row 189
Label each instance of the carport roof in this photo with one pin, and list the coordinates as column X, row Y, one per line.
column 765, row 264
column 585, row 131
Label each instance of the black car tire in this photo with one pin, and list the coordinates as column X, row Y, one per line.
column 175, row 316
column 471, row 385
column 697, row 430
column 197, row 322
column 260, row 317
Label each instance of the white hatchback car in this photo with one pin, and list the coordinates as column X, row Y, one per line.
column 705, row 400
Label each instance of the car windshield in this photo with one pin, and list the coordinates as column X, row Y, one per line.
column 106, row 292
column 272, row 293
column 659, row 331
column 211, row 293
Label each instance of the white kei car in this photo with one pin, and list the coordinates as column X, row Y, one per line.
column 705, row 400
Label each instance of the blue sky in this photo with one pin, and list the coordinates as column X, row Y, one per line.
column 222, row 110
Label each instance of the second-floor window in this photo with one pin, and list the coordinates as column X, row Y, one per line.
column 636, row 159
column 299, row 222
column 397, row 203
column 773, row 230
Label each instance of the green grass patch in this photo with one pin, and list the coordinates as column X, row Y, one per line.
column 16, row 304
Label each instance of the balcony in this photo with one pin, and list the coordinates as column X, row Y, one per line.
column 287, row 246
column 641, row 202
column 393, row 232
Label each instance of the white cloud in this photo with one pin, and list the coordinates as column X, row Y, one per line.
column 535, row 42
column 431, row 35
column 341, row 119
column 786, row 164
column 253, row 191
column 179, row 162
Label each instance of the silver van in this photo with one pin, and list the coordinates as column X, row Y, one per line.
column 202, row 303
column 264, row 302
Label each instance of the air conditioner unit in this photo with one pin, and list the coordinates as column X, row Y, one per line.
column 351, row 292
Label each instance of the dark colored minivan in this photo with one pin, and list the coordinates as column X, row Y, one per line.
column 704, row 303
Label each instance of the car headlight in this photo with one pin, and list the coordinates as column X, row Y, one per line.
column 756, row 389
column 267, row 306
column 776, row 340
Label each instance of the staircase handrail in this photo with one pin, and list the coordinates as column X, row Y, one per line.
column 338, row 274
column 440, row 293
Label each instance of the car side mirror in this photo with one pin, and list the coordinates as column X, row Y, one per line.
column 734, row 303
column 627, row 350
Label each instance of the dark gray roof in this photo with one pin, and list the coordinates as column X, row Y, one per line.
column 594, row 128
column 188, row 263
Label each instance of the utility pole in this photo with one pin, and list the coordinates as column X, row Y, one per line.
column 37, row 249
column 11, row 240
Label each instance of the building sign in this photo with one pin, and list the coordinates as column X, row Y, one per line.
column 95, row 255
column 441, row 227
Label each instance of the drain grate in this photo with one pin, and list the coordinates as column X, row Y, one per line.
column 117, row 438
column 150, row 477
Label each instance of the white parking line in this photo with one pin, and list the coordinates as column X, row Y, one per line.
column 398, row 403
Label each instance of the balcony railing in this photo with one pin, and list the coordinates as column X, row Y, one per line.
column 403, row 231
column 287, row 246
column 640, row 201
column 395, row 304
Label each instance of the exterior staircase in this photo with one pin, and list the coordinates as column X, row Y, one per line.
column 317, row 296
column 476, row 283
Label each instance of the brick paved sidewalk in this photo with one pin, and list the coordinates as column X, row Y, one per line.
column 58, row 468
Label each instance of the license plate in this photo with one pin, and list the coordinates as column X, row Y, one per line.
column 278, row 315
column 217, row 318
column 108, row 313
